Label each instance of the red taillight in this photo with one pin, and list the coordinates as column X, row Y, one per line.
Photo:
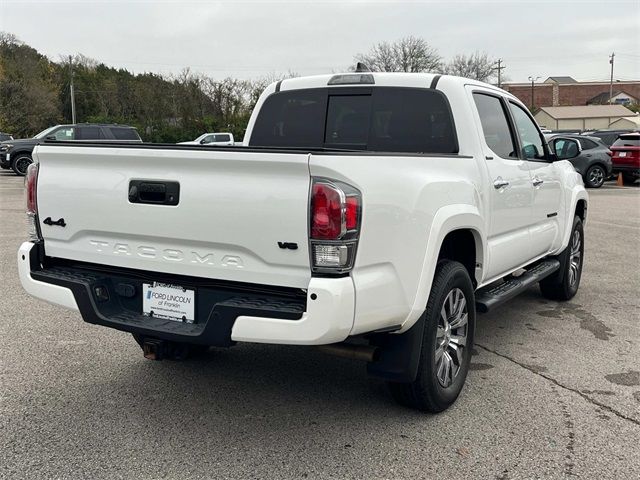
column 335, row 210
column 31, row 181
column 326, row 212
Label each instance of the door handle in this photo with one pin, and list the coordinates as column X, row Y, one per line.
column 154, row 192
column 499, row 183
column 537, row 182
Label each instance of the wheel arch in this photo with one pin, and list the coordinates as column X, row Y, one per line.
column 453, row 226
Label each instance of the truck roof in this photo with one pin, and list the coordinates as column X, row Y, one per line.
column 384, row 79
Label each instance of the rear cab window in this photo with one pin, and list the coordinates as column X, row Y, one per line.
column 380, row 119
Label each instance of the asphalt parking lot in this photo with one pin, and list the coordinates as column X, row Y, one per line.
column 554, row 389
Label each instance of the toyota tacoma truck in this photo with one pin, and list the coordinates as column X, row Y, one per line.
column 370, row 214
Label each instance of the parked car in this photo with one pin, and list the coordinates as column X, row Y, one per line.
column 365, row 214
column 626, row 156
column 608, row 137
column 212, row 139
column 590, row 157
column 5, row 136
column 16, row 154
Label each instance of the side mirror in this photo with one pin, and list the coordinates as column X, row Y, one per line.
column 570, row 148
column 530, row 151
column 202, row 142
column 50, row 137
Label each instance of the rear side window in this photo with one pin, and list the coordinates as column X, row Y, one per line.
column 627, row 141
column 89, row 133
column 587, row 144
column 495, row 125
column 223, row 138
column 120, row 133
column 383, row 119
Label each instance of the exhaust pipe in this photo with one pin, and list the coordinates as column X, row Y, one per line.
column 366, row 353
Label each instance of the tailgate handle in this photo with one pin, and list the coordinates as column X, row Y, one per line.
column 154, row 192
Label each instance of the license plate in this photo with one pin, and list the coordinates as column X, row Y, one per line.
column 622, row 154
column 171, row 302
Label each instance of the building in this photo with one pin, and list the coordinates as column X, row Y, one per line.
column 626, row 123
column 587, row 117
column 565, row 91
column 618, row 98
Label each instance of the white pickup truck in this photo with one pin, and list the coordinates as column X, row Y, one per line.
column 371, row 214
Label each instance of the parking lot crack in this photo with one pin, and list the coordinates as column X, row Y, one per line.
column 539, row 373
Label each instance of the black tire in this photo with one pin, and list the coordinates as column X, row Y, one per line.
column 427, row 392
column 563, row 284
column 20, row 164
column 629, row 179
column 179, row 351
column 595, row 176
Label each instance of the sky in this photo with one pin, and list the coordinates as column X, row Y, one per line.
column 254, row 38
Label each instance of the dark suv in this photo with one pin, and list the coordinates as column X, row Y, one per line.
column 16, row 154
column 589, row 155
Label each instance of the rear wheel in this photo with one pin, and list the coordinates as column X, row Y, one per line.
column 595, row 176
column 563, row 284
column 446, row 344
column 629, row 179
column 21, row 163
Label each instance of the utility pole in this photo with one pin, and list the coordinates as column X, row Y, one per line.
column 533, row 103
column 611, row 57
column 499, row 68
column 73, row 98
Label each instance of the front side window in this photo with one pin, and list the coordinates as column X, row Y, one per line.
column 208, row 139
column 65, row 133
column 381, row 119
column 495, row 125
column 532, row 145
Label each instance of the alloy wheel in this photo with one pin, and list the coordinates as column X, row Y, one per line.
column 22, row 164
column 575, row 257
column 596, row 176
column 451, row 337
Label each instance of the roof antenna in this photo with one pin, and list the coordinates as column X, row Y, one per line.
column 361, row 67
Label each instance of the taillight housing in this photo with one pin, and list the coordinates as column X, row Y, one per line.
column 31, row 190
column 335, row 211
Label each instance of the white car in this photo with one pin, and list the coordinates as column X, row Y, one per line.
column 369, row 213
column 212, row 139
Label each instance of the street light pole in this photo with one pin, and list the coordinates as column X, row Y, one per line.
column 533, row 103
column 73, row 97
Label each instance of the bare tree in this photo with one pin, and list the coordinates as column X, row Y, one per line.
column 478, row 66
column 409, row 54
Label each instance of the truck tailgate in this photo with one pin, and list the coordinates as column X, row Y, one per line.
column 235, row 212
